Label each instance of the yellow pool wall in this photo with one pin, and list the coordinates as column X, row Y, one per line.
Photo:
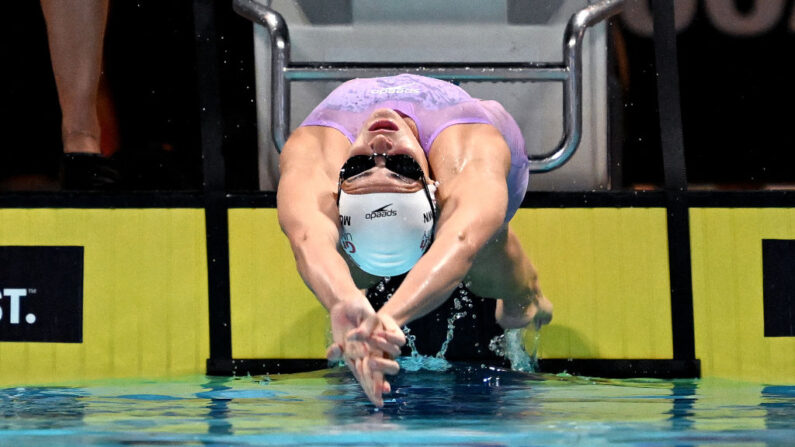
column 605, row 269
column 145, row 311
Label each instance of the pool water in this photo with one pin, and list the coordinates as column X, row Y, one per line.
column 465, row 405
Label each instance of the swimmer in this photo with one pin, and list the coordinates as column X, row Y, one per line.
column 405, row 174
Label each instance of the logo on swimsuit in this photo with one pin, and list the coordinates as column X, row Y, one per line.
column 345, row 220
column 397, row 90
column 427, row 217
column 380, row 212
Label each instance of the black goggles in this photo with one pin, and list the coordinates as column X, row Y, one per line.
column 401, row 164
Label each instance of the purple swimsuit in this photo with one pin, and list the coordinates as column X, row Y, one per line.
column 434, row 105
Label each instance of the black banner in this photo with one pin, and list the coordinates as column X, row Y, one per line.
column 41, row 294
column 778, row 270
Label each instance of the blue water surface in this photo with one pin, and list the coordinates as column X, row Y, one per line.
column 470, row 405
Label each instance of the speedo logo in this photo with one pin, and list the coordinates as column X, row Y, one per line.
column 381, row 212
column 394, row 90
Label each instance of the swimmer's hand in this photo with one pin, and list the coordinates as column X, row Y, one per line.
column 368, row 360
column 382, row 332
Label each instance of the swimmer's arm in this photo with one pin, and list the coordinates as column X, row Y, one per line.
column 474, row 195
column 308, row 216
column 307, row 212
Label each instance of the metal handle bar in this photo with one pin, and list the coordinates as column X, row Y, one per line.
column 569, row 72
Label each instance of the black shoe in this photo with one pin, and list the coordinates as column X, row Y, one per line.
column 86, row 171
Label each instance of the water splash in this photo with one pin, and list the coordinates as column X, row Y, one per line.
column 458, row 303
column 450, row 329
column 423, row 363
column 410, row 341
column 510, row 345
column 417, row 361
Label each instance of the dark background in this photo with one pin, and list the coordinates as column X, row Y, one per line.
column 737, row 99
column 150, row 71
column 736, row 95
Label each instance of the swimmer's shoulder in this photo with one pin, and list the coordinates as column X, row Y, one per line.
column 318, row 143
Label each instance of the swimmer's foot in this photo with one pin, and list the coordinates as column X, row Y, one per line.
column 88, row 171
column 83, row 167
column 514, row 316
column 79, row 141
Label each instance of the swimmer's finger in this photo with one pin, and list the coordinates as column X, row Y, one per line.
column 372, row 383
column 386, row 366
column 355, row 334
column 387, row 388
column 364, row 330
column 378, row 388
column 356, row 368
column 396, row 338
column 355, row 349
column 352, row 367
column 334, row 352
column 382, row 344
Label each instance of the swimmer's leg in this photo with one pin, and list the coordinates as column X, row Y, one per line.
column 75, row 32
column 503, row 271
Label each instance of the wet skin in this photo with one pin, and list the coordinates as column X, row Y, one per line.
column 386, row 132
column 472, row 160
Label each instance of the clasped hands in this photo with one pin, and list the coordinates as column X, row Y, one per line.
column 368, row 342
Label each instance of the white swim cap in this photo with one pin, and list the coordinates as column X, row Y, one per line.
column 385, row 234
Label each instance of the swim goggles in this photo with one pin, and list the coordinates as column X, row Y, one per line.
column 403, row 165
